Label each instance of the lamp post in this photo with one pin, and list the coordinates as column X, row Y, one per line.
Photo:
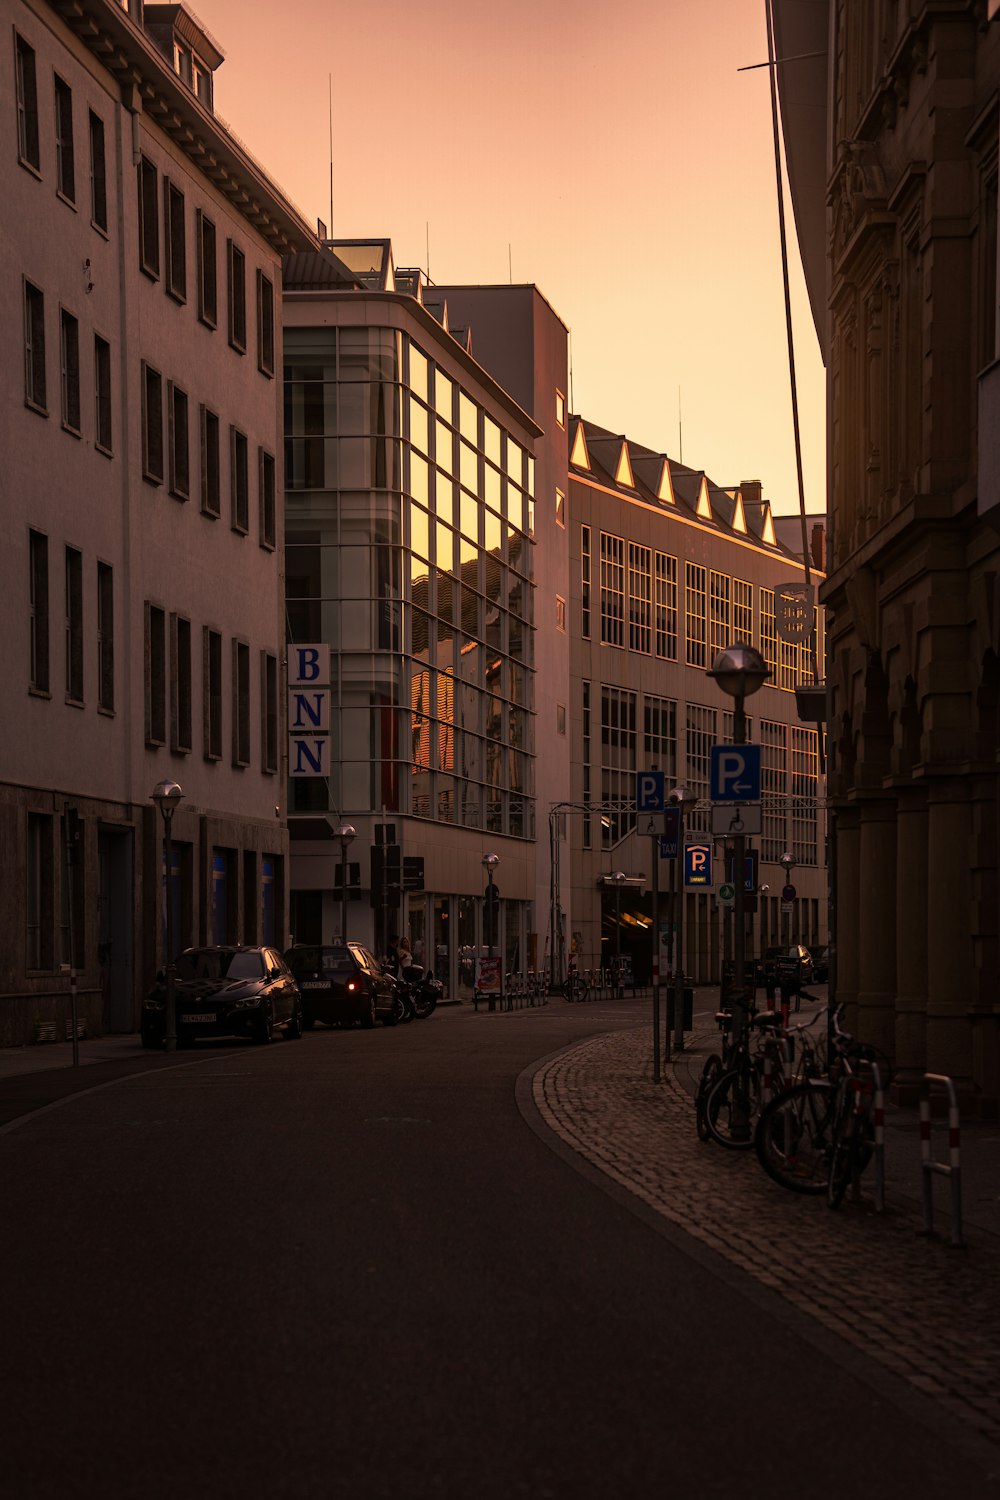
column 345, row 835
column 490, row 862
column 166, row 795
column 680, row 798
column 739, row 671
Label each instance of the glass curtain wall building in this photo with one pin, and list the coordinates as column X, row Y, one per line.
column 409, row 526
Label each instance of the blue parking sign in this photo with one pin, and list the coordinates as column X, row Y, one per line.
column 735, row 773
column 649, row 791
column 697, row 865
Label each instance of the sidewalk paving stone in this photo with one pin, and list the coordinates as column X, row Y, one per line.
column 928, row 1312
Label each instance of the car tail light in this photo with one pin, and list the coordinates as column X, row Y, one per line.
column 352, row 984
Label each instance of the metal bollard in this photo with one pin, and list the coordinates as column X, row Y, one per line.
column 878, row 1121
column 952, row 1168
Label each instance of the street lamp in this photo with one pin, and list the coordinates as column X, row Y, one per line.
column 680, row 797
column 167, row 795
column 345, row 835
column 740, row 671
column 490, row 862
column 619, row 879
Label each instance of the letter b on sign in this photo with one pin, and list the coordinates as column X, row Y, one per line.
column 308, row 666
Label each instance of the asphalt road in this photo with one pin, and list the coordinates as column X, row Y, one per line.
column 358, row 1265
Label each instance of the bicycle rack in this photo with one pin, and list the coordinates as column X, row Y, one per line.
column 952, row 1168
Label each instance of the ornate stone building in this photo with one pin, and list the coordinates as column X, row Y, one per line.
column 908, row 320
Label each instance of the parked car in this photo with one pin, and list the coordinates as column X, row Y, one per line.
column 342, row 983
column 225, row 991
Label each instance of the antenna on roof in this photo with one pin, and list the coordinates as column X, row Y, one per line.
column 680, row 428
column 427, row 229
column 330, row 77
column 510, row 272
column 572, row 405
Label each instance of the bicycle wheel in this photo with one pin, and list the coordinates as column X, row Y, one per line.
column 794, row 1136
column 709, row 1074
column 732, row 1106
column 844, row 1157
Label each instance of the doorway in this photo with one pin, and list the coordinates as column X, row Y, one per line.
column 115, row 929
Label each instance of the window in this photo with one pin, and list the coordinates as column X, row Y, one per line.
column 268, row 712
column 174, row 242
column 560, row 508
column 237, row 267
column 207, row 284
column 180, row 460
column 38, row 597
column 585, row 732
column 34, row 347
column 239, row 480
column 180, row 684
column 743, row 611
column 659, row 740
column 774, row 788
column 560, row 613
column 560, row 718
column 98, row 174
column 65, row 169
column 768, row 633
column 694, row 610
column 665, row 606
column 211, row 501
column 241, row 703
column 152, row 425
column 105, row 637
column 618, row 762
column 265, row 324
column 267, row 522
column 27, row 104
column 102, row 394
column 149, row 219
column 74, row 625
column 640, row 609
column 39, row 904
column 585, row 578
column 212, row 688
column 700, row 736
column 156, row 675
column 612, row 589
column 804, row 751
column 69, row 355
column 560, row 409
column 720, row 628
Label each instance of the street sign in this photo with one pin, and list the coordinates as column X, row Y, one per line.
column 668, row 847
column 727, row 895
column 751, row 869
column 735, row 773
column 788, row 893
column 649, row 791
column 732, row 818
column 698, row 865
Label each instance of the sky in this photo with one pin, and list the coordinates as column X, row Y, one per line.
column 610, row 154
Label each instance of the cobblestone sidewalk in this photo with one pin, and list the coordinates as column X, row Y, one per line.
column 927, row 1312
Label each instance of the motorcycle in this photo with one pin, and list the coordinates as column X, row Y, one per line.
column 423, row 991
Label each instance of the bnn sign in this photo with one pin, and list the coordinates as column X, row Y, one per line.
column 309, row 710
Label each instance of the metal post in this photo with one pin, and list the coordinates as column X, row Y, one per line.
column 71, row 857
column 168, row 856
column 655, row 846
column 739, row 1007
column 679, row 937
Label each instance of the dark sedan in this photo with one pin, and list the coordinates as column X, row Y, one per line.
column 342, row 983
column 225, row 991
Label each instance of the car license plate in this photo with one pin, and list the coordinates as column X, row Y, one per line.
column 205, row 1015
column 315, row 984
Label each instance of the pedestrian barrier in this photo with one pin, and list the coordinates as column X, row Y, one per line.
column 952, row 1168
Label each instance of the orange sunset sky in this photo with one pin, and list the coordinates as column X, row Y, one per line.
column 614, row 148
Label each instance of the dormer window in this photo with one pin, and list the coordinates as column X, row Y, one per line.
column 186, row 44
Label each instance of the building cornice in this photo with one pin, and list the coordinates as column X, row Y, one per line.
column 149, row 86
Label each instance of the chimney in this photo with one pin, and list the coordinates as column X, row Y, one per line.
column 817, row 547
column 753, row 492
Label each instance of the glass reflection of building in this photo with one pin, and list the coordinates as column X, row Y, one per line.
column 409, row 521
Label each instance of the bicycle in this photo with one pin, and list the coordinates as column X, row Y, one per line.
column 732, row 1101
column 794, row 1136
column 575, row 989
column 853, row 1135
